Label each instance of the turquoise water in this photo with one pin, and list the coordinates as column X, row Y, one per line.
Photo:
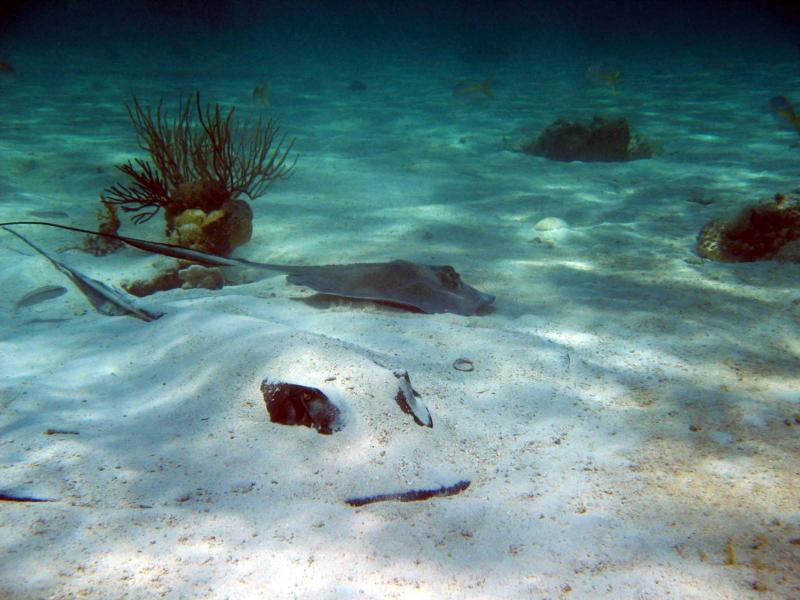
column 633, row 406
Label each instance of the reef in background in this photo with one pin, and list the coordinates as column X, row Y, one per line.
column 599, row 141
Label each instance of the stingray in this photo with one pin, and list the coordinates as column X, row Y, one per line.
column 103, row 298
column 399, row 283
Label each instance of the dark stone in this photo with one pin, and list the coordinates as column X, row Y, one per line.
column 294, row 404
column 600, row 141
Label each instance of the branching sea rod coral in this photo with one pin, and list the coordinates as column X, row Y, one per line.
column 200, row 165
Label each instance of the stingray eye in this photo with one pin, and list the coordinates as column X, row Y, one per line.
column 450, row 278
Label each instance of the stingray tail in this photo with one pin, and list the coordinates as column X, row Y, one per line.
column 204, row 258
column 106, row 300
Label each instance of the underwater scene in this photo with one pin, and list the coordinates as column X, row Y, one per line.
column 414, row 300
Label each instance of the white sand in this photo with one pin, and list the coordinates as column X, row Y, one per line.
column 630, row 422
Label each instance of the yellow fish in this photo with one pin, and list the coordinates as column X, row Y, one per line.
column 467, row 88
column 783, row 111
column 605, row 75
column 261, row 94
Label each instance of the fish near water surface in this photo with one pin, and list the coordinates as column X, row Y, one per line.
column 605, row 75
column 261, row 95
column 783, row 112
column 470, row 88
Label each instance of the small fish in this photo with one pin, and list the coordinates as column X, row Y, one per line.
column 37, row 321
column 468, row 88
column 6, row 68
column 783, row 112
column 261, row 94
column 603, row 74
column 42, row 294
column 48, row 214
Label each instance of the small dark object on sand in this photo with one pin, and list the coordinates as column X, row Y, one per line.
column 294, row 404
column 61, row 432
column 412, row 495
column 463, row 364
column 10, row 497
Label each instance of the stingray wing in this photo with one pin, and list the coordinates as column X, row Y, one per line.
column 414, row 286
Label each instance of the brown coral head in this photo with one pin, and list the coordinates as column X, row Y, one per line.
column 219, row 231
column 206, row 195
column 231, row 230
column 757, row 232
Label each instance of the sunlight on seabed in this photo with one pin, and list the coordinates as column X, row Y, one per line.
column 575, row 265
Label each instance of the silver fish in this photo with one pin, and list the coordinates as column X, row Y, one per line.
column 48, row 214
column 41, row 294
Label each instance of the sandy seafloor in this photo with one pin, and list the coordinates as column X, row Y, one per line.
column 631, row 423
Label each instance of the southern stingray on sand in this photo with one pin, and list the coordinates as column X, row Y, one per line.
column 400, row 283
